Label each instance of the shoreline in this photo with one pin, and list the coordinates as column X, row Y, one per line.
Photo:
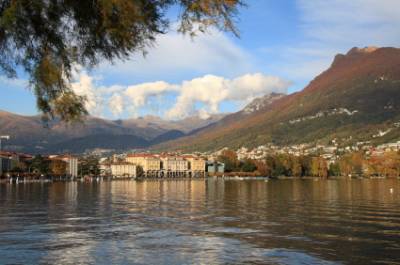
column 242, row 178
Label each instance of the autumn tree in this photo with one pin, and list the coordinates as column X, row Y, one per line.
column 385, row 165
column 278, row 163
column 305, row 162
column 296, row 168
column 248, row 165
column 262, row 168
column 319, row 167
column 334, row 169
column 392, row 164
column 375, row 166
column 352, row 163
column 47, row 39
column 230, row 159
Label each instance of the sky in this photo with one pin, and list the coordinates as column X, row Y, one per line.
column 282, row 46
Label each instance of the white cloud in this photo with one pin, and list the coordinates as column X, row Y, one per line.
column 83, row 85
column 174, row 57
column 116, row 104
column 200, row 96
column 212, row 90
column 138, row 94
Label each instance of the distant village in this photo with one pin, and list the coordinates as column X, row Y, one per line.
column 360, row 159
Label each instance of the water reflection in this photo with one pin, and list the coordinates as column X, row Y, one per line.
column 201, row 222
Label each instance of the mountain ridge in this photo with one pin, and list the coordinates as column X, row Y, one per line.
column 31, row 134
column 363, row 80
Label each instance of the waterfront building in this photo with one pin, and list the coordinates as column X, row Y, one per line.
column 150, row 164
column 197, row 165
column 72, row 165
column 168, row 165
column 173, row 166
column 9, row 160
column 124, row 169
column 174, row 163
column 5, row 164
column 71, row 169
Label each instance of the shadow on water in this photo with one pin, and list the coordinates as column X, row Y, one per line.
column 201, row 222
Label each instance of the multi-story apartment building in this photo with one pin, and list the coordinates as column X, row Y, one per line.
column 9, row 160
column 196, row 163
column 174, row 163
column 72, row 166
column 148, row 162
column 168, row 165
column 123, row 169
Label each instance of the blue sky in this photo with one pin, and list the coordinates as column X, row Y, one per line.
column 283, row 45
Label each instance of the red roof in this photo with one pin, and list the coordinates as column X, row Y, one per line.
column 141, row 155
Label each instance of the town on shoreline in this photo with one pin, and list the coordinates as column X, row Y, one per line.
column 268, row 161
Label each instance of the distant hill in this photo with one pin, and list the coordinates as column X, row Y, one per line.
column 104, row 141
column 356, row 99
column 28, row 133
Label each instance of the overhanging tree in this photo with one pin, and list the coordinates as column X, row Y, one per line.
column 46, row 38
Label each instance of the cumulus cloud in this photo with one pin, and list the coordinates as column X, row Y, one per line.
column 200, row 96
column 212, row 90
column 83, row 85
column 116, row 104
column 174, row 57
column 138, row 94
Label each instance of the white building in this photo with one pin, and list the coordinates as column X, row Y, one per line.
column 72, row 165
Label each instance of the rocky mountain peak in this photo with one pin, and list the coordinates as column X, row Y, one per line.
column 353, row 53
column 260, row 103
column 356, row 50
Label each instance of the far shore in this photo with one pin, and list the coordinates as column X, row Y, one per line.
column 224, row 177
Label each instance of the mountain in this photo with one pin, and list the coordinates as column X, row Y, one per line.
column 28, row 133
column 261, row 103
column 103, row 141
column 356, row 99
column 160, row 126
column 170, row 135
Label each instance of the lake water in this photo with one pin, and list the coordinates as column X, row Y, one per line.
column 201, row 222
